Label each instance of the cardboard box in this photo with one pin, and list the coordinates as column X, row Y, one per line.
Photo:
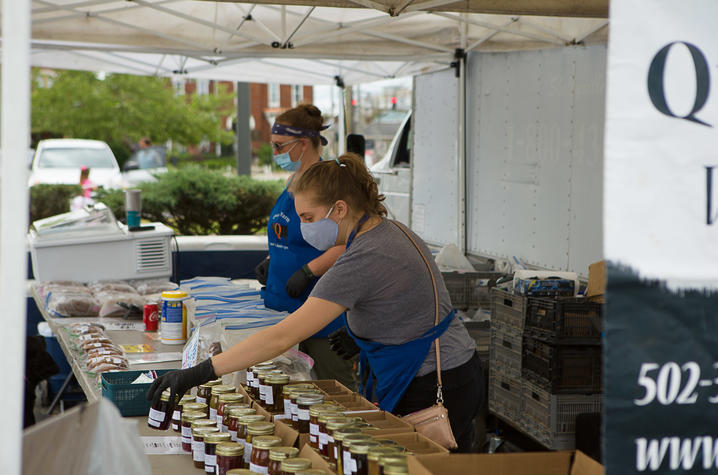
column 538, row 463
column 317, row 461
column 352, row 402
column 328, row 386
column 282, row 429
column 596, row 280
column 415, row 442
column 385, row 423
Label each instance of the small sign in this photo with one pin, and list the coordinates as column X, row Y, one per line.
column 162, row 445
column 143, row 348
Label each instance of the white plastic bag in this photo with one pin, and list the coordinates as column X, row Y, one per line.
column 449, row 258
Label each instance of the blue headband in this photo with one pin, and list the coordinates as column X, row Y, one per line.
column 281, row 129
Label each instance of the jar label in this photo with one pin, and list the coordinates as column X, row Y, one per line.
column 233, row 434
column 157, row 415
column 258, row 469
column 336, row 455
column 219, row 420
column 213, row 413
column 176, row 415
column 313, row 429
column 247, row 452
column 353, row 465
column 303, row 414
column 313, row 439
column 186, row 432
column 323, row 439
column 198, row 451
column 269, row 395
column 175, row 427
column 255, row 383
column 186, row 440
column 287, row 409
column 201, row 399
column 346, row 462
column 210, row 463
column 153, row 422
column 223, row 428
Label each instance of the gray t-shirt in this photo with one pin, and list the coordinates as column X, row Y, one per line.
column 384, row 283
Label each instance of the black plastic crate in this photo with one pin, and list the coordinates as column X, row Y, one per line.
column 562, row 369
column 470, row 289
column 565, row 320
column 508, row 309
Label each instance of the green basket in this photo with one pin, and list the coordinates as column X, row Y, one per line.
column 129, row 398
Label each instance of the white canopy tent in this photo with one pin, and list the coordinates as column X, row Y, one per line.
column 299, row 42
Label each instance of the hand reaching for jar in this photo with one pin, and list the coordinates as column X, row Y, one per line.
column 181, row 381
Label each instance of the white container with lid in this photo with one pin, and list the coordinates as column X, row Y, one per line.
column 173, row 321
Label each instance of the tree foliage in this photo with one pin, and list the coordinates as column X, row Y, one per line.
column 121, row 109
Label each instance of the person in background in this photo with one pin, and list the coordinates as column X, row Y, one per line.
column 385, row 282
column 85, row 199
column 293, row 266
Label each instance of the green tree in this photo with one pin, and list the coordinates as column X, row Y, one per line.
column 121, row 109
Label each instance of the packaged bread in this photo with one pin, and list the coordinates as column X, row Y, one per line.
column 72, row 304
column 100, row 364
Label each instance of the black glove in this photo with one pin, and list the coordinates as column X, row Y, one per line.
column 342, row 344
column 181, row 381
column 299, row 281
column 261, row 271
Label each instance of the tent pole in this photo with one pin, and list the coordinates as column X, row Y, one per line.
column 14, row 141
column 461, row 155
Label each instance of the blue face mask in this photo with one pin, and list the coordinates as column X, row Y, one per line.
column 285, row 161
column 321, row 234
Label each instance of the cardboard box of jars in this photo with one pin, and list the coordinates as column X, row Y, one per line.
column 539, row 463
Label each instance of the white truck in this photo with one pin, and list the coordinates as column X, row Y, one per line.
column 511, row 164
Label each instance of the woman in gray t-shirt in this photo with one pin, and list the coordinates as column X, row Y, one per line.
column 384, row 284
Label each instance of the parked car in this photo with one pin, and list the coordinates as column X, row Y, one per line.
column 144, row 165
column 58, row 161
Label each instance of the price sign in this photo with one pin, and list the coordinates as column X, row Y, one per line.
column 660, row 235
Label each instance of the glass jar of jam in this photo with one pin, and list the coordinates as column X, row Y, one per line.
column 344, row 443
column 358, row 457
column 275, row 392
column 196, row 407
column 304, row 402
column 276, row 455
column 232, row 417
column 186, row 425
column 395, row 469
column 327, row 425
column 288, row 399
column 242, row 423
column 293, row 465
column 198, row 435
column 210, row 450
column 263, row 387
column 261, row 444
column 252, row 381
column 293, row 403
column 315, row 413
column 204, row 391
column 229, row 456
column 214, row 400
column 177, row 414
column 161, row 413
column 336, row 436
column 224, row 400
column 391, row 460
column 375, row 453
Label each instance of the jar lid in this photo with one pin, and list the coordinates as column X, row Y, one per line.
column 186, row 399
column 241, row 411
column 395, row 468
column 209, row 384
column 341, row 433
column 202, row 431
column 375, row 453
column 278, row 378
column 281, row 453
column 229, row 406
column 193, row 416
column 392, row 458
column 326, row 418
column 174, row 294
column 350, row 439
column 362, row 447
column 165, row 396
column 217, row 437
column 230, row 449
column 391, row 443
column 195, row 407
column 250, row 418
column 266, row 441
column 294, row 464
column 337, row 422
column 323, row 409
column 310, row 399
column 222, row 389
column 231, row 397
column 263, row 366
column 260, row 428
column 295, row 386
column 196, row 424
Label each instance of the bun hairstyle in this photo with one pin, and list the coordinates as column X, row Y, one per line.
column 304, row 116
column 346, row 178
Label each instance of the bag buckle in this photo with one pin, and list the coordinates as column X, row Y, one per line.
column 439, row 395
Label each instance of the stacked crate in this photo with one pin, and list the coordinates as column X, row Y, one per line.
column 560, row 367
column 507, row 325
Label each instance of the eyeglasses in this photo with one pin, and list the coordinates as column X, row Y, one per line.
column 278, row 146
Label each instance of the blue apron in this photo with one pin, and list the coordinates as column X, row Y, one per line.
column 288, row 252
column 394, row 366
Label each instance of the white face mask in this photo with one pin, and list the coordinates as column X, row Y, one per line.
column 321, row 234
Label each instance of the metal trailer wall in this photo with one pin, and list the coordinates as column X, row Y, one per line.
column 534, row 141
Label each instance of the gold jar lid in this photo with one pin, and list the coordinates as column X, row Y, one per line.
column 195, row 407
column 223, row 389
column 341, row 433
column 165, row 396
column 295, row 391
column 362, row 447
column 375, row 453
column 395, row 468
column 203, row 431
column 230, row 449
column 281, row 453
column 192, row 416
column 229, row 406
column 326, row 418
column 203, row 422
column 280, row 378
column 392, row 458
column 350, row 439
column 337, row 423
column 217, row 437
column 187, row 398
column 294, row 386
column 324, row 408
column 209, row 384
column 266, row 441
column 231, row 397
column 260, row 428
column 310, row 399
column 294, row 464
column 247, row 419
column 241, row 411
column 391, row 443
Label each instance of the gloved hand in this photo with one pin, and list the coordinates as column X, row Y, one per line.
column 181, row 381
column 261, row 271
column 342, row 344
column 299, row 281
